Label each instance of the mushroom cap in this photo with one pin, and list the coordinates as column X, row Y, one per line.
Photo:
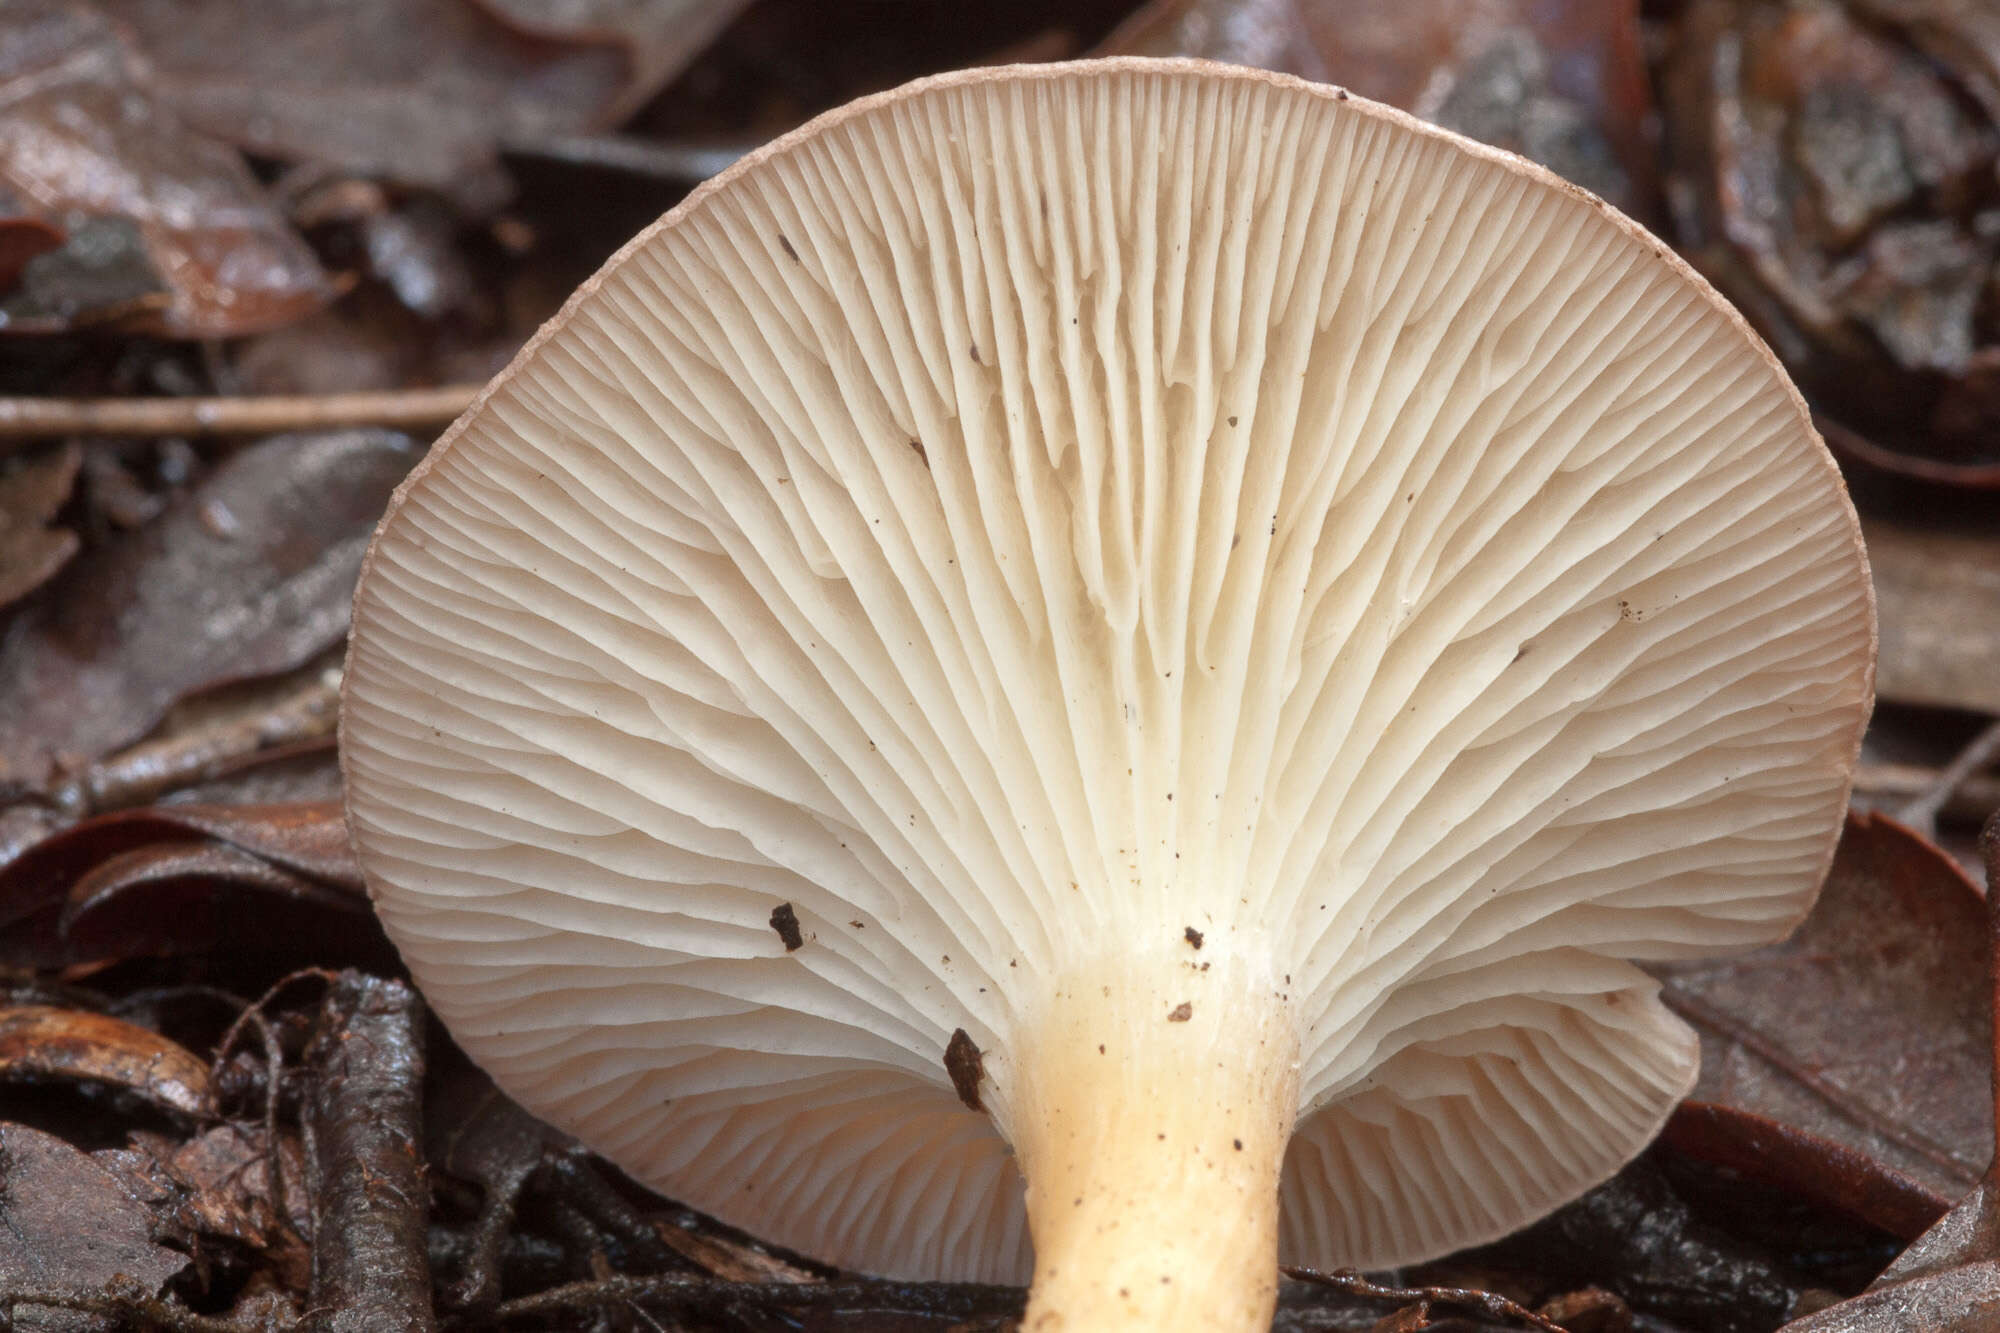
column 1046, row 511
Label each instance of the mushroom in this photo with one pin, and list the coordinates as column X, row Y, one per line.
column 1122, row 652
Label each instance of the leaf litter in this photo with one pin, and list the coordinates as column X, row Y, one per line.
column 193, row 981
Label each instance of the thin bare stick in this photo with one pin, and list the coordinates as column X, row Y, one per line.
column 144, row 771
column 698, row 1296
column 1989, row 851
column 1351, row 1283
column 1922, row 813
column 44, row 418
column 678, row 163
column 122, row 1302
column 1893, row 784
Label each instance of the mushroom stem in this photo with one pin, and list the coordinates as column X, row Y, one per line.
column 1151, row 1109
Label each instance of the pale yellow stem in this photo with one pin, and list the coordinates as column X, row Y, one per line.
column 1152, row 1108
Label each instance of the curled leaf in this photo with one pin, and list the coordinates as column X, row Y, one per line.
column 41, row 1042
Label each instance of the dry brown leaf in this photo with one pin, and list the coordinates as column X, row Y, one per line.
column 247, row 575
column 1559, row 81
column 1871, row 1025
column 166, row 230
column 70, row 1224
column 31, row 550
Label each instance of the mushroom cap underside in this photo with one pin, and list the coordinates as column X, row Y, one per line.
column 1113, row 507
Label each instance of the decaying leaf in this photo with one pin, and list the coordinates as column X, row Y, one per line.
column 1871, row 1025
column 248, row 574
column 1559, row 81
column 223, row 1185
column 1949, row 1279
column 164, row 230
column 1831, row 172
column 68, row 1224
column 1948, row 1282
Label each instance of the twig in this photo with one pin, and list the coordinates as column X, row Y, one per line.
column 1989, row 852
column 274, row 1078
column 42, row 418
column 1493, row 1306
column 1922, row 813
column 257, row 1006
column 137, row 775
column 1974, row 799
column 132, row 1307
column 675, row 163
column 370, row 1273
column 698, row 1296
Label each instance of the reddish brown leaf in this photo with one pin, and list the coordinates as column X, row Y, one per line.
column 115, row 909
column 249, row 574
column 69, row 1224
column 1871, row 1025
column 83, row 138
column 1560, row 81
column 307, row 837
column 30, row 495
column 179, row 879
column 301, row 773
column 1805, row 1165
column 38, row 1042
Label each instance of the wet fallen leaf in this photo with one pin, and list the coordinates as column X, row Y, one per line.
column 346, row 85
column 67, row 1224
column 1871, row 1025
column 248, row 574
column 1559, row 81
column 163, row 229
column 1937, row 593
column 38, row 1042
column 308, row 838
column 31, row 550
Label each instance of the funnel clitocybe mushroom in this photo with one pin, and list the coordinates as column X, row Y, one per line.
column 1116, row 653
